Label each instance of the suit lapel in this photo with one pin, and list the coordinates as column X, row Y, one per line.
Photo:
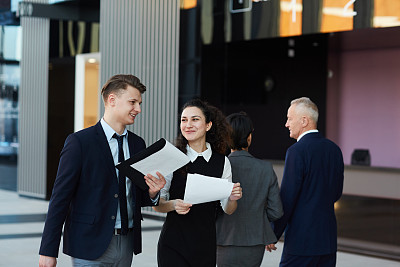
column 136, row 192
column 131, row 143
column 104, row 147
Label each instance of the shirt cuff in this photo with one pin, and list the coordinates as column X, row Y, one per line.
column 155, row 200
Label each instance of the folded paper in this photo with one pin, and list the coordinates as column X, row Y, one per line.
column 162, row 157
column 201, row 189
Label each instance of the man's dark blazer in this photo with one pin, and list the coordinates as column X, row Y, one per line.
column 312, row 182
column 85, row 197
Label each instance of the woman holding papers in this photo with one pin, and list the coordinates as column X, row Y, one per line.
column 243, row 237
column 188, row 237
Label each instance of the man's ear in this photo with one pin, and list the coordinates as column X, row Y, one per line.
column 111, row 99
column 304, row 121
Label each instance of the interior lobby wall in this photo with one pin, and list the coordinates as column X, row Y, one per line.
column 363, row 105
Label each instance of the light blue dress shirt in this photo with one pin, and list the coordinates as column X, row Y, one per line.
column 113, row 143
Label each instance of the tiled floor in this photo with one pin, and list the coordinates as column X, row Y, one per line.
column 21, row 224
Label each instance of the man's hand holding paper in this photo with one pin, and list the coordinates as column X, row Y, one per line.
column 154, row 184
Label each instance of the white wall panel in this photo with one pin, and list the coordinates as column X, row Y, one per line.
column 33, row 95
column 141, row 37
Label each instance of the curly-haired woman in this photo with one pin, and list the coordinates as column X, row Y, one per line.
column 188, row 237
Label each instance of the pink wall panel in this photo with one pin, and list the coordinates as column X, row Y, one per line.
column 368, row 105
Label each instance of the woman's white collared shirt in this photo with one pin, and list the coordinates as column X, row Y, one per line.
column 206, row 154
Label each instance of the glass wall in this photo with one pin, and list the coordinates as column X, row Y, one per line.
column 10, row 53
column 256, row 56
column 255, row 19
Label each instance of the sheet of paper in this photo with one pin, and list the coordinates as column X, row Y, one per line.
column 166, row 161
column 201, row 189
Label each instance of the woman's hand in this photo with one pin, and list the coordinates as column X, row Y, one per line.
column 181, row 207
column 236, row 193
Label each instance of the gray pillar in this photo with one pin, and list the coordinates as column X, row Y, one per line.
column 33, row 101
column 141, row 37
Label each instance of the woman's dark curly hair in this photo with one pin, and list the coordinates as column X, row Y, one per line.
column 219, row 134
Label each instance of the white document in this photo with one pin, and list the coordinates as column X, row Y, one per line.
column 165, row 161
column 201, row 189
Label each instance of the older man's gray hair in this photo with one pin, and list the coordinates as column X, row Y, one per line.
column 306, row 107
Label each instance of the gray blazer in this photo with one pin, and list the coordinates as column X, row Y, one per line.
column 260, row 204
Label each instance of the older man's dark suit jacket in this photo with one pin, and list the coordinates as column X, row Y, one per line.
column 85, row 197
column 312, row 183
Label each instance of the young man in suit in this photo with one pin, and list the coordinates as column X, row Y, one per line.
column 312, row 182
column 100, row 208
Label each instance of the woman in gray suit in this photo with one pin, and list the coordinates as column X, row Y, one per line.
column 243, row 236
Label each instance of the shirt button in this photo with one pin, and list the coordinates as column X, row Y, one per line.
column 112, row 217
column 116, row 195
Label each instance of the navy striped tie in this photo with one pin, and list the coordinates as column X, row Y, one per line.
column 122, row 187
